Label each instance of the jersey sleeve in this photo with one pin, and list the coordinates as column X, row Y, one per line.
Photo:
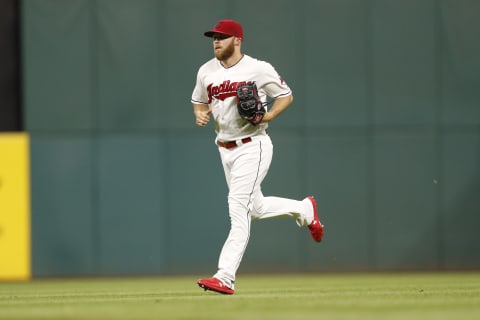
column 199, row 95
column 272, row 83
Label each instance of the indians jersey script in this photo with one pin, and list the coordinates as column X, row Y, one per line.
column 216, row 86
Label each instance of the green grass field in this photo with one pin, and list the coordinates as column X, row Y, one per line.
column 318, row 296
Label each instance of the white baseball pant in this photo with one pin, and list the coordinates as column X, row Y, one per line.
column 245, row 168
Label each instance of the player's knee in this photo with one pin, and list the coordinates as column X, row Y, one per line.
column 239, row 202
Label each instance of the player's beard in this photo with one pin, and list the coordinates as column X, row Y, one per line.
column 226, row 52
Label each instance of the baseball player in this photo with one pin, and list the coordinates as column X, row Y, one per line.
column 244, row 145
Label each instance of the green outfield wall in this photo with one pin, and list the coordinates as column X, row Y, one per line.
column 384, row 131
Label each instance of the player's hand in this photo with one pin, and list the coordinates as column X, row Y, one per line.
column 202, row 117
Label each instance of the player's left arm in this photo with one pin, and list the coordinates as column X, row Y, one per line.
column 279, row 105
column 274, row 86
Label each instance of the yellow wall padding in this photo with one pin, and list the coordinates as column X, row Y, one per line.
column 15, row 246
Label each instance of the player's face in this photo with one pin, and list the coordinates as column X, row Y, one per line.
column 223, row 47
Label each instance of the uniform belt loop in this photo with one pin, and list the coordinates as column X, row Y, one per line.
column 232, row 144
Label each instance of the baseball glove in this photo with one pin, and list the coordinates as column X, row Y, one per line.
column 249, row 105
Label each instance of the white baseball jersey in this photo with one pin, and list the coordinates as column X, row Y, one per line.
column 216, row 86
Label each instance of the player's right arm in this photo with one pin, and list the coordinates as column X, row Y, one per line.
column 201, row 109
column 202, row 114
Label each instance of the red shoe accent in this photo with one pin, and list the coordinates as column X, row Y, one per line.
column 214, row 284
column 316, row 227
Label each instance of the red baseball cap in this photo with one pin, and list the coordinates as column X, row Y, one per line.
column 228, row 27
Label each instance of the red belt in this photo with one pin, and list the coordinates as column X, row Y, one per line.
column 232, row 144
